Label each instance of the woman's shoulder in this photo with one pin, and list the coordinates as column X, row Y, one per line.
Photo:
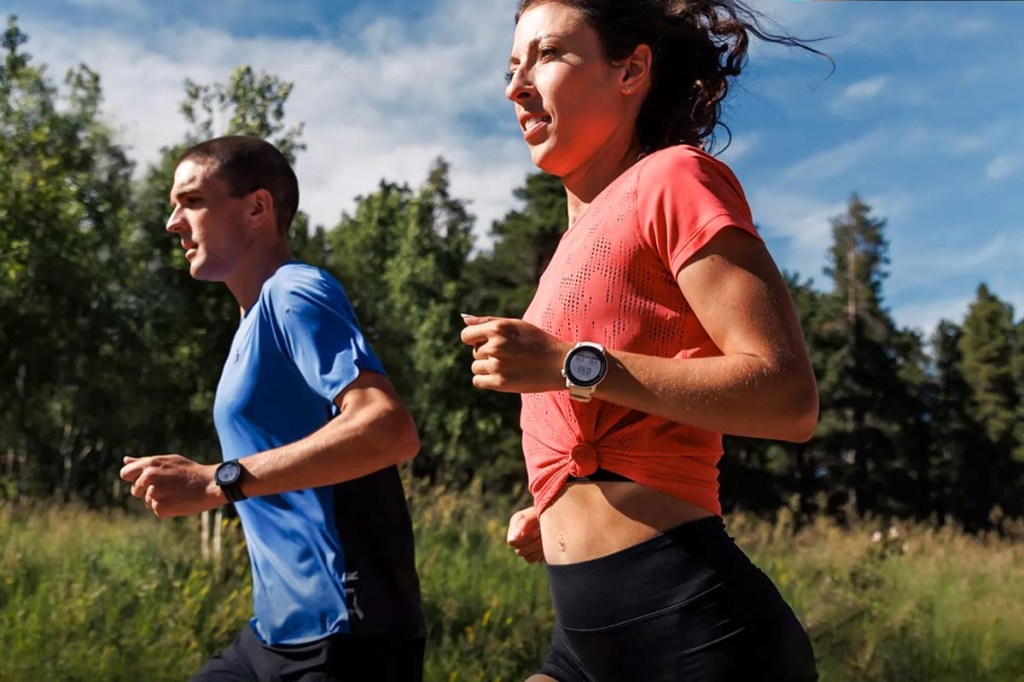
column 683, row 158
column 686, row 172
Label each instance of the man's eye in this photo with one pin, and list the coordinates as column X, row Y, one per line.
column 509, row 74
column 546, row 51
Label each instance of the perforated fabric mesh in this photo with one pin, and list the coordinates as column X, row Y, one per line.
column 612, row 280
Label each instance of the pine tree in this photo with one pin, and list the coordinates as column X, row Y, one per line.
column 859, row 384
column 986, row 347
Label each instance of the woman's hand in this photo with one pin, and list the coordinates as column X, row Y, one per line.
column 524, row 535
column 513, row 356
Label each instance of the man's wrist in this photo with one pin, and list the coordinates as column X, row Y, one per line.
column 229, row 476
column 214, row 491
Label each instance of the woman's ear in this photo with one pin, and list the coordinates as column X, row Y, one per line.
column 637, row 69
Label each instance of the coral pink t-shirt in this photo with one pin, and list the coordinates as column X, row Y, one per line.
column 612, row 280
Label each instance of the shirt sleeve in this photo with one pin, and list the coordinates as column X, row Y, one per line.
column 317, row 328
column 684, row 198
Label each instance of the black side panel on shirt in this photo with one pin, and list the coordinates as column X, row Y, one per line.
column 375, row 530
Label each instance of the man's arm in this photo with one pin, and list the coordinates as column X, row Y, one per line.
column 372, row 431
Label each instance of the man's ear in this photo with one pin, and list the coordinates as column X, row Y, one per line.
column 261, row 209
column 637, row 69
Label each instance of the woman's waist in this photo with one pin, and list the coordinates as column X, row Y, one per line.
column 644, row 460
column 588, row 520
column 647, row 441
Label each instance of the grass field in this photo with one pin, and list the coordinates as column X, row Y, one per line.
column 100, row 597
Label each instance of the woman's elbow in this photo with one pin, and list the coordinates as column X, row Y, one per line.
column 801, row 417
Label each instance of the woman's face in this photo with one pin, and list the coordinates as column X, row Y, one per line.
column 567, row 94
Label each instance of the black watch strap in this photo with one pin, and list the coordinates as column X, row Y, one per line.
column 233, row 492
column 229, row 477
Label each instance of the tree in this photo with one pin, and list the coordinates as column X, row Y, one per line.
column 402, row 257
column 987, row 350
column 859, row 382
column 63, row 206
column 957, row 483
column 524, row 242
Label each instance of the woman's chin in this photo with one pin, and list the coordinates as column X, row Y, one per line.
column 547, row 161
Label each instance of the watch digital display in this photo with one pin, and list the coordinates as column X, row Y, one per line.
column 586, row 367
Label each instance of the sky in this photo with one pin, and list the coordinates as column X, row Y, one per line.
column 921, row 118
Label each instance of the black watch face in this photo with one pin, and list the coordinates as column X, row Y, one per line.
column 586, row 367
column 228, row 473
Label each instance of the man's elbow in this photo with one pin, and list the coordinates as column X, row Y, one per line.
column 404, row 438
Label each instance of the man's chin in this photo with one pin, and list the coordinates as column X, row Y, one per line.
column 199, row 273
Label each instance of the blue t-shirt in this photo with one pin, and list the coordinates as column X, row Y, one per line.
column 333, row 559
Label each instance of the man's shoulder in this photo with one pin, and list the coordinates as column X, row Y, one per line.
column 299, row 284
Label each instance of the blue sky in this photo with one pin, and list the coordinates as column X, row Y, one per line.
column 922, row 117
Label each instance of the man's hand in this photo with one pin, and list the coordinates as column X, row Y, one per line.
column 172, row 485
column 513, row 356
column 524, row 535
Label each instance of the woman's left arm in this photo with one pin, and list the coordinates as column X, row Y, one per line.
column 761, row 386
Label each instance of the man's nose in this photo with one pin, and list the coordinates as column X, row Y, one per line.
column 174, row 221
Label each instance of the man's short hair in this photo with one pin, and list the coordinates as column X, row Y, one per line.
column 247, row 164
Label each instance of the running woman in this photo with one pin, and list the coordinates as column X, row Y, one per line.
column 660, row 324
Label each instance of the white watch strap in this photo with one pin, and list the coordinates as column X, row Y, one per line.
column 580, row 393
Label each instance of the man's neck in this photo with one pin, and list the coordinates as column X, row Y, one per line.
column 246, row 286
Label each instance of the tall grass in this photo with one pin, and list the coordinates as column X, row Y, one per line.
column 107, row 597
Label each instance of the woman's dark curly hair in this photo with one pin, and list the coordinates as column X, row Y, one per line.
column 697, row 46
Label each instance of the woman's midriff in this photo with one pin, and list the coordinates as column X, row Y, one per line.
column 589, row 520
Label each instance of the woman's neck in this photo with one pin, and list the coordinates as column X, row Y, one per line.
column 589, row 179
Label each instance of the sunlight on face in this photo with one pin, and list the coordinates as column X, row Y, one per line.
column 567, row 94
column 209, row 222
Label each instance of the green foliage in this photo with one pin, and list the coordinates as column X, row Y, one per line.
column 64, row 205
column 402, row 256
column 986, row 347
column 88, row 596
column 114, row 350
column 861, row 396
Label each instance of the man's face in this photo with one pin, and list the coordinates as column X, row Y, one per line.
column 209, row 221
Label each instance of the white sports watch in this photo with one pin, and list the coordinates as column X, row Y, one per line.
column 585, row 366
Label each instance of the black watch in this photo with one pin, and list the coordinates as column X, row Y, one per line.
column 585, row 366
column 229, row 477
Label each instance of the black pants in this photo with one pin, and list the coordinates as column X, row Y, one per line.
column 685, row 606
column 338, row 658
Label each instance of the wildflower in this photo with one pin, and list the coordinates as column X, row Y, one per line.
column 876, row 536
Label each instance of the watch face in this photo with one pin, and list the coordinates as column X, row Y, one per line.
column 228, row 473
column 586, row 367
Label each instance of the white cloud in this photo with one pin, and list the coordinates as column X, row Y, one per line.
column 804, row 223
column 739, row 147
column 835, row 161
column 865, row 89
column 122, row 6
column 925, row 316
column 962, row 258
column 385, row 110
column 1004, row 166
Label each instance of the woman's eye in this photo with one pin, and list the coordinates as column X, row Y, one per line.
column 546, row 51
column 508, row 76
